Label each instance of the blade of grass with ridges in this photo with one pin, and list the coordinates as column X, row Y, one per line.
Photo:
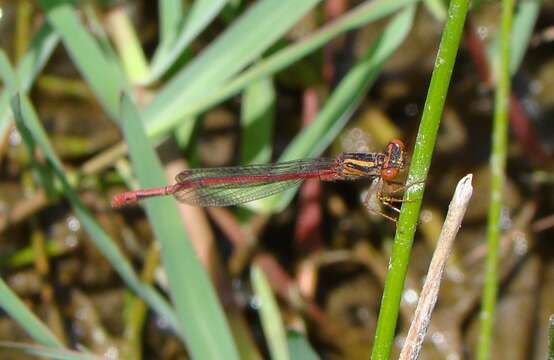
column 200, row 314
column 105, row 77
column 200, row 15
column 315, row 138
column 357, row 17
column 31, row 130
column 241, row 43
column 42, row 46
column 272, row 323
column 419, row 167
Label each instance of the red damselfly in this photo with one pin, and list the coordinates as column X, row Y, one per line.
column 235, row 185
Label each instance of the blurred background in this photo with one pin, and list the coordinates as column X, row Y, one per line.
column 223, row 83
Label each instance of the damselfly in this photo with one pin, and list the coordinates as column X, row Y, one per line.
column 235, row 185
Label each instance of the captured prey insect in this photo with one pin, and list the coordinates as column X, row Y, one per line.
column 235, row 185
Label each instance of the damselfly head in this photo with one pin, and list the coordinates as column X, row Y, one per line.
column 394, row 160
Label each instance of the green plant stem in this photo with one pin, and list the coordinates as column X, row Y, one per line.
column 419, row 168
column 498, row 168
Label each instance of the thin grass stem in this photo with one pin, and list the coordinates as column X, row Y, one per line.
column 498, row 173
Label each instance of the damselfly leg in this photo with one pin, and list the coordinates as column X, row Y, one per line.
column 385, row 194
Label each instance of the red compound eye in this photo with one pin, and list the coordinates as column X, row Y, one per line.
column 398, row 143
column 389, row 174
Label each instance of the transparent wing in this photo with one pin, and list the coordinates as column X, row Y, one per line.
column 237, row 185
column 223, row 196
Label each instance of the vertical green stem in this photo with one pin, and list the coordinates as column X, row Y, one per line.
column 498, row 166
column 419, row 168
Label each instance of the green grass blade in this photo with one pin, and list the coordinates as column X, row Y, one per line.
column 359, row 16
column 48, row 352
column 18, row 311
column 7, row 74
column 314, row 139
column 96, row 26
column 171, row 15
column 437, row 8
column 257, row 117
column 272, row 323
column 497, row 165
column 245, row 40
column 525, row 20
column 127, row 43
column 31, row 130
column 300, row 348
column 419, row 167
column 10, row 80
column 32, row 63
column 105, row 77
column 41, row 171
column 40, row 49
column 524, row 23
column 201, row 14
column 200, row 315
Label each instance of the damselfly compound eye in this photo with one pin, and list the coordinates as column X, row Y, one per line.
column 398, row 143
